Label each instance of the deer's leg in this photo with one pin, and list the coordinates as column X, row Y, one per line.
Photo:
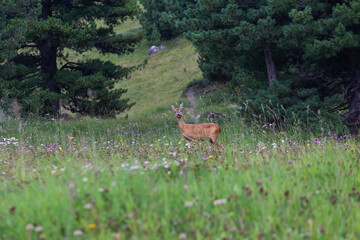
column 213, row 140
column 188, row 143
column 197, row 144
column 218, row 146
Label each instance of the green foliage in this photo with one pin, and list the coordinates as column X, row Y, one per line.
column 286, row 104
column 16, row 18
column 160, row 18
column 325, row 37
column 232, row 36
column 315, row 43
column 42, row 76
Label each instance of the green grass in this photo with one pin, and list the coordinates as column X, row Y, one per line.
column 150, row 186
column 162, row 80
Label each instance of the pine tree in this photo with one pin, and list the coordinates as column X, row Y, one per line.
column 46, row 75
column 15, row 19
column 160, row 18
column 288, row 41
column 325, row 37
column 233, row 35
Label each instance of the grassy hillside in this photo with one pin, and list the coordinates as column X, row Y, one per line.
column 163, row 79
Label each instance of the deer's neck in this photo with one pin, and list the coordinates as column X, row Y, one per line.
column 182, row 123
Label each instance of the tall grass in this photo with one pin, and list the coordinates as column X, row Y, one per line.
column 119, row 179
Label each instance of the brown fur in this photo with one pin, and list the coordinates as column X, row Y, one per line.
column 193, row 133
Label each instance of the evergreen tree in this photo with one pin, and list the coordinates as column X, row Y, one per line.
column 45, row 75
column 234, row 35
column 15, row 18
column 160, row 18
column 238, row 40
column 325, row 37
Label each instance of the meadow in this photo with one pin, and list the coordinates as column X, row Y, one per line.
column 134, row 177
column 122, row 179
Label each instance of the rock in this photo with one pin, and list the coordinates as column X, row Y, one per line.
column 156, row 49
column 233, row 106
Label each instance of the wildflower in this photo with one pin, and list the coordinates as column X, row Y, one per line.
column 210, row 156
column 116, row 235
column 88, row 206
column 182, row 236
column 29, row 227
column 129, row 128
column 71, row 138
column 87, row 133
column 182, row 139
column 85, row 179
column 219, row 202
column 91, row 226
column 186, row 187
column 78, row 233
column 39, row 229
column 60, row 148
column 188, row 204
column 71, row 185
column 233, row 229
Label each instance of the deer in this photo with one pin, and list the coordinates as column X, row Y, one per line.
column 193, row 133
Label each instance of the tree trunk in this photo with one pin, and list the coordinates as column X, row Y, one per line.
column 48, row 55
column 352, row 95
column 270, row 66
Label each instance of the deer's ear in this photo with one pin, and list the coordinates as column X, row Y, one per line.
column 181, row 105
column 173, row 108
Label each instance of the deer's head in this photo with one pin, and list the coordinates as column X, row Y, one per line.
column 177, row 111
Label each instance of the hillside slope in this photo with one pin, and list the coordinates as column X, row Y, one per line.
column 163, row 79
